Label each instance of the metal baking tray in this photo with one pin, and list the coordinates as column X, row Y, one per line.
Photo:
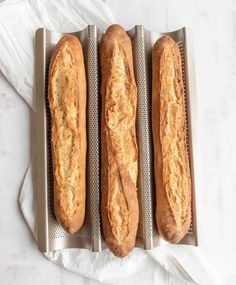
column 143, row 41
column 51, row 235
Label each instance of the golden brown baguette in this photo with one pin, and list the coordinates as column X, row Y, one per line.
column 120, row 210
column 67, row 100
column 172, row 170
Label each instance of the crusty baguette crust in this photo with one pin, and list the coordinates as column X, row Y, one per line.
column 172, row 170
column 120, row 210
column 67, row 100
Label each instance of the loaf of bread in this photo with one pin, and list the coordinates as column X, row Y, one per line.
column 120, row 212
column 67, row 100
column 172, row 169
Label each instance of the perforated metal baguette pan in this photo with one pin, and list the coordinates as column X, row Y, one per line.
column 51, row 235
column 143, row 41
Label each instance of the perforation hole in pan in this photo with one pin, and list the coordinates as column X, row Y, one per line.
column 55, row 230
column 181, row 48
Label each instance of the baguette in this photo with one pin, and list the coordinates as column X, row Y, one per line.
column 67, row 101
column 120, row 212
column 172, row 170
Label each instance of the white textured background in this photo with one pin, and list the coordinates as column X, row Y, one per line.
column 214, row 23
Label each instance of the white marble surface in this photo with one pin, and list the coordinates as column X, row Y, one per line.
column 215, row 48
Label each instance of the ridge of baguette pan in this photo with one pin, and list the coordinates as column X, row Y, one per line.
column 120, row 211
column 67, row 101
column 171, row 162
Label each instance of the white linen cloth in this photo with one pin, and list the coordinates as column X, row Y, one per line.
column 18, row 22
